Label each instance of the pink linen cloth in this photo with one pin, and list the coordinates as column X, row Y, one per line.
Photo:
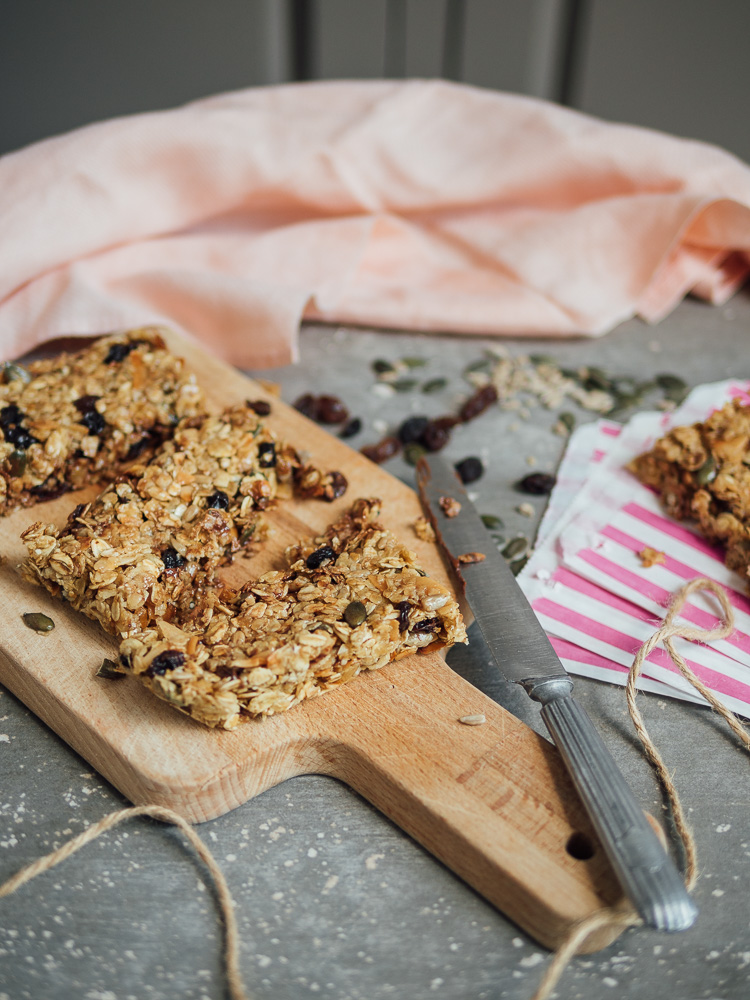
column 421, row 205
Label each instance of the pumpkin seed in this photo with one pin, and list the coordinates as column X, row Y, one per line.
column 676, row 396
column 568, row 421
column 381, row 367
column 491, row 521
column 15, row 373
column 413, row 452
column 516, row 546
column 542, row 359
column 434, row 385
column 414, row 362
column 670, row 383
column 484, row 365
column 707, row 472
column 247, row 533
column 37, row 621
column 17, row 462
column 596, row 378
column 355, row 613
column 499, row 540
column 110, row 670
column 404, row 384
column 518, row 565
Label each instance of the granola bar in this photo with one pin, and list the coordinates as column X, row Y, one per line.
column 152, row 540
column 703, row 472
column 351, row 600
column 79, row 418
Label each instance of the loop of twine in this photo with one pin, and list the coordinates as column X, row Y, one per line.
column 235, row 988
column 624, row 916
column 619, row 917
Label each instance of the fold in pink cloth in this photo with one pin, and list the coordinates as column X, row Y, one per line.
column 412, row 205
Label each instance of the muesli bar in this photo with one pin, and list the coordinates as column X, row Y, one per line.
column 702, row 471
column 77, row 419
column 352, row 599
column 151, row 541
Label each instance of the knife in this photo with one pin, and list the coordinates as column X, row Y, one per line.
column 522, row 651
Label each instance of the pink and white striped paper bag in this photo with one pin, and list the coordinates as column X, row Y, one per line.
column 591, row 591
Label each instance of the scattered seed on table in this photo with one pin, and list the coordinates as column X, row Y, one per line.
column 568, row 421
column 350, row 429
column 381, row 367
column 110, row 670
column 518, row 565
column 434, row 385
column 404, row 384
column 413, row 452
column 414, row 362
column 38, row 622
column 473, row 720
column 515, row 547
column 491, row 521
column 525, row 509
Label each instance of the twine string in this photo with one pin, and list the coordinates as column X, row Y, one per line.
column 235, row 988
column 619, row 917
column 624, row 916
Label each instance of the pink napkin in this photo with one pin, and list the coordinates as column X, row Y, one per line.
column 412, row 205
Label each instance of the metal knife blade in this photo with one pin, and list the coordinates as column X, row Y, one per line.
column 524, row 654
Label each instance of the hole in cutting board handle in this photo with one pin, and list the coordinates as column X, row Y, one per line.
column 580, row 846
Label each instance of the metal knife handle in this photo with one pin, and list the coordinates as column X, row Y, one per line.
column 646, row 872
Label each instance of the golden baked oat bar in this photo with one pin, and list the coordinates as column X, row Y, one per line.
column 138, row 551
column 77, row 419
column 351, row 600
column 703, row 471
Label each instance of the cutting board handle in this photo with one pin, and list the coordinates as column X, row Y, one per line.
column 492, row 801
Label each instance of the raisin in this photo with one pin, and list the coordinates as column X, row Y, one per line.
column 218, row 500
column 435, row 437
column 94, row 422
column 448, row 422
column 427, row 625
column 403, row 615
column 19, row 436
column 537, row 483
column 307, row 406
column 316, row 559
column 76, row 512
column 50, row 489
column 172, row 559
column 351, row 428
column 85, row 404
column 382, row 451
column 412, row 429
column 259, row 406
column 470, row 469
column 118, row 352
column 331, row 410
column 334, row 486
column 10, row 415
column 267, row 455
column 478, row 403
column 170, row 659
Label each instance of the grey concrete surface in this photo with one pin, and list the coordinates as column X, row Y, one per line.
column 333, row 900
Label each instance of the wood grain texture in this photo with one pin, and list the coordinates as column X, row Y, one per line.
column 493, row 802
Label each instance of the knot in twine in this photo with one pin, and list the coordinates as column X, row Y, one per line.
column 619, row 917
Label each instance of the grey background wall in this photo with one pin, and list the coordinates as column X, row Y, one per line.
column 677, row 65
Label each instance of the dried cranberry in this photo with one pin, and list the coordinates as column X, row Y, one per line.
column 382, row 451
column 267, row 455
column 478, row 403
column 536, row 483
column 403, row 615
column 118, row 352
column 316, row 559
column 259, row 406
column 307, row 406
column 427, row 625
column 470, row 469
column 172, row 559
column 170, row 659
column 351, row 428
column 434, row 437
column 10, row 415
column 412, row 429
column 331, row 410
column 19, row 436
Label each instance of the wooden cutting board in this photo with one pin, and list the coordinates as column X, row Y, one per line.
column 493, row 802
